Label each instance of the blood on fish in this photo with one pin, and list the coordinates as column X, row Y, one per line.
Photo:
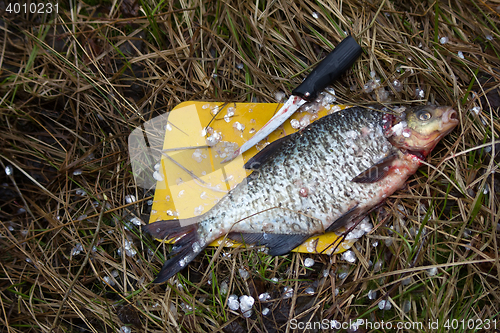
column 365, row 131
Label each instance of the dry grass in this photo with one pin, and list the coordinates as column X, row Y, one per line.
column 74, row 85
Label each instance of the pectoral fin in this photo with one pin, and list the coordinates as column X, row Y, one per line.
column 278, row 244
column 377, row 171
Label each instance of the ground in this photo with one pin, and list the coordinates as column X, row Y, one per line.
column 76, row 83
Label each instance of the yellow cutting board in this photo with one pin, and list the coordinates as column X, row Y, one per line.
column 191, row 178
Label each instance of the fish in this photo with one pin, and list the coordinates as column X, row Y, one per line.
column 330, row 174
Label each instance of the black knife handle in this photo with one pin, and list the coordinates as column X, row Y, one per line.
column 330, row 68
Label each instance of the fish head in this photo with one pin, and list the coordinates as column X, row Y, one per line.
column 423, row 127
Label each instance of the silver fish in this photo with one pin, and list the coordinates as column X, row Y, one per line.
column 334, row 172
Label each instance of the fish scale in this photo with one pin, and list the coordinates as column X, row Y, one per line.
column 332, row 173
column 315, row 150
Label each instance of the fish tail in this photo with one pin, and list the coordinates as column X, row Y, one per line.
column 187, row 245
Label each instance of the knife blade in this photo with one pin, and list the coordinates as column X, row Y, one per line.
column 329, row 69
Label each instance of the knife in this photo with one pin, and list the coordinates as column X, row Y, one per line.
column 329, row 69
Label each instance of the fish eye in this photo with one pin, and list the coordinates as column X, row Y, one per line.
column 424, row 116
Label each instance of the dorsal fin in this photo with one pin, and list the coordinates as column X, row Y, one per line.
column 270, row 150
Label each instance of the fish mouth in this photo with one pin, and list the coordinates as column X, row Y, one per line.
column 449, row 119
